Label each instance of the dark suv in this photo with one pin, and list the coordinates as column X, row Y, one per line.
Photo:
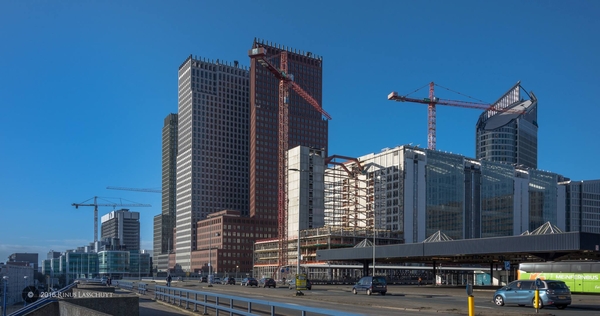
column 231, row 281
column 249, row 282
column 371, row 285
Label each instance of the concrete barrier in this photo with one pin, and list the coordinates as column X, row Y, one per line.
column 67, row 308
column 106, row 302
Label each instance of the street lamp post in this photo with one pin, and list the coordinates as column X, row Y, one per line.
column 236, row 270
column 5, row 278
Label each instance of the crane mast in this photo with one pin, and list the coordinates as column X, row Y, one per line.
column 285, row 82
column 432, row 101
column 95, row 205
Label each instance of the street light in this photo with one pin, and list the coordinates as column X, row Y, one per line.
column 236, row 270
column 5, row 278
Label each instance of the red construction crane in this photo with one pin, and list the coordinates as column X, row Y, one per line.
column 113, row 204
column 431, row 103
column 285, row 82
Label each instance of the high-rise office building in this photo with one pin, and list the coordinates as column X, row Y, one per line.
column 509, row 136
column 124, row 226
column 164, row 223
column 306, row 125
column 212, row 147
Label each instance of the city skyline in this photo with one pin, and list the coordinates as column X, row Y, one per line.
column 86, row 87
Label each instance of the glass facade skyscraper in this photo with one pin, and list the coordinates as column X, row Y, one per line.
column 508, row 132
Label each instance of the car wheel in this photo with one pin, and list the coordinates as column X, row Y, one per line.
column 354, row 291
column 369, row 292
column 561, row 306
column 499, row 300
column 540, row 303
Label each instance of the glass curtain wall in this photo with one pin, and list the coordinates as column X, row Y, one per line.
column 445, row 178
column 497, row 199
column 543, row 188
column 113, row 263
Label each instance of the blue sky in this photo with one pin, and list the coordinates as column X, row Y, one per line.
column 85, row 86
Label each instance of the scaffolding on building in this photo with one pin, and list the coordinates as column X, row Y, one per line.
column 355, row 208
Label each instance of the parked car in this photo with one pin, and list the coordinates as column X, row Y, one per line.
column 270, row 283
column 203, row 279
column 522, row 292
column 216, row 280
column 249, row 282
column 370, row 284
column 229, row 280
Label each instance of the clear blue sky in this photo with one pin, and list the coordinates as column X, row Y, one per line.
column 85, row 86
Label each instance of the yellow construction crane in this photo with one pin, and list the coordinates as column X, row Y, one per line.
column 108, row 203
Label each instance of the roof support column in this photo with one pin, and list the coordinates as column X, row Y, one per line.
column 492, row 274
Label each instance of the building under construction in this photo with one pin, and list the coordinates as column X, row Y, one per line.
column 328, row 208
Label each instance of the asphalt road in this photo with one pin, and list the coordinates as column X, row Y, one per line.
column 400, row 300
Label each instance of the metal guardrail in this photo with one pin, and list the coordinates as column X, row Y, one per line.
column 125, row 285
column 210, row 300
column 51, row 297
column 142, row 288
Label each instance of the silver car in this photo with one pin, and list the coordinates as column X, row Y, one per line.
column 522, row 292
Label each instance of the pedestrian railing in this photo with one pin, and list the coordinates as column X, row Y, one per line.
column 142, row 288
column 233, row 304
